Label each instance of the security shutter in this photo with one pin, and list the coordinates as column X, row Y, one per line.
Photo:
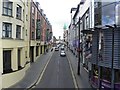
column 116, row 48
column 107, row 48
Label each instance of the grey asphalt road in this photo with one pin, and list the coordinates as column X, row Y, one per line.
column 57, row 73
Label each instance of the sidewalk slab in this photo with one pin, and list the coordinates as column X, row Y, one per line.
column 33, row 72
column 82, row 79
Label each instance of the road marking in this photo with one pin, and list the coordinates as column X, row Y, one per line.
column 86, row 69
column 74, row 79
column 44, row 69
column 58, row 74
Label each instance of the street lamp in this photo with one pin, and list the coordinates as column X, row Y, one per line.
column 78, row 69
column 98, row 28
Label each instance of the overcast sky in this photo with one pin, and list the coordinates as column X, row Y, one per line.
column 58, row 13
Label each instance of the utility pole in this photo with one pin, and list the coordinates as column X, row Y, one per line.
column 78, row 70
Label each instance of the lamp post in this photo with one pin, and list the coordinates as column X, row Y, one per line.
column 98, row 28
column 78, row 69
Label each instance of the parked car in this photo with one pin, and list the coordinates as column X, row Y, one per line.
column 62, row 53
column 56, row 49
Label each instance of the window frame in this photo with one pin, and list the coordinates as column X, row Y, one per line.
column 6, row 31
column 7, row 8
column 19, row 12
column 18, row 31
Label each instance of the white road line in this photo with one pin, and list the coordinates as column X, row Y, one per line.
column 44, row 69
column 73, row 76
column 86, row 69
column 58, row 74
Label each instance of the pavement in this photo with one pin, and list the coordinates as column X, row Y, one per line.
column 33, row 73
column 82, row 79
column 36, row 68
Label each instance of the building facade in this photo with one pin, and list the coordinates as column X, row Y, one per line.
column 99, row 32
column 20, row 38
column 14, row 41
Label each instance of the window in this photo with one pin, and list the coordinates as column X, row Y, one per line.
column 7, row 61
column 109, row 17
column 23, row 15
column 33, row 10
column 33, row 35
column 18, row 32
column 23, row 33
column 33, row 22
column 26, row 17
column 27, row 2
column 87, row 22
column 98, row 11
column 38, row 29
column 18, row 12
column 7, row 8
column 7, row 30
column 26, row 32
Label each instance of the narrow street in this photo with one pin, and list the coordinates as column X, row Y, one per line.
column 57, row 73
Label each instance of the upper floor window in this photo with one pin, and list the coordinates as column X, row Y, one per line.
column 18, row 32
column 33, row 22
column 33, row 10
column 18, row 12
column 33, row 35
column 7, row 8
column 7, row 30
column 87, row 22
